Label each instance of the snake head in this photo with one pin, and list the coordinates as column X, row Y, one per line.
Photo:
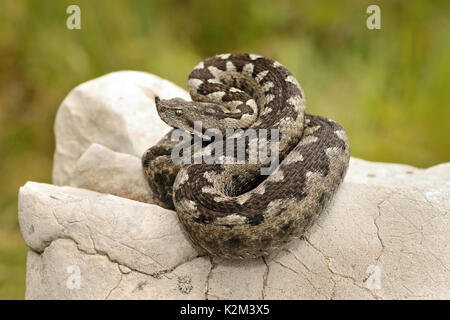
column 182, row 114
column 176, row 112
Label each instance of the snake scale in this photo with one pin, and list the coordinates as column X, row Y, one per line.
column 232, row 210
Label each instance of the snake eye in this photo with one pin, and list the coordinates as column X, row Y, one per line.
column 178, row 112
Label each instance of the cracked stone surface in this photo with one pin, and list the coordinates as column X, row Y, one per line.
column 384, row 235
column 246, row 282
column 143, row 237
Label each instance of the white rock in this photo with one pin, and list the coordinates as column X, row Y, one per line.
column 231, row 279
column 103, row 170
column 117, row 111
column 188, row 281
column 384, row 236
column 67, row 273
column 374, row 242
column 143, row 237
column 368, row 172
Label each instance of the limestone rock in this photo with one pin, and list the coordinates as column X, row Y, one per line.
column 117, row 111
column 67, row 273
column 384, row 235
column 373, row 242
column 188, row 281
column 103, row 170
column 142, row 237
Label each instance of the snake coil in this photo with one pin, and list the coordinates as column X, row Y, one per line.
column 232, row 210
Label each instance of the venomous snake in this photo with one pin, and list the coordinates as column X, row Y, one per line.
column 232, row 210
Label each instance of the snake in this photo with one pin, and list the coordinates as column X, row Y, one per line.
column 230, row 209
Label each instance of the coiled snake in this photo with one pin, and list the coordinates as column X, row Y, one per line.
column 232, row 210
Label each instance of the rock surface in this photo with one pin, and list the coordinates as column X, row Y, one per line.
column 384, row 236
column 117, row 111
column 103, row 170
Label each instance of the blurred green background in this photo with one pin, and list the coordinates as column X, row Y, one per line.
column 389, row 88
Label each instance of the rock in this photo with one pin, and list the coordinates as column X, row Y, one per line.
column 384, row 235
column 103, row 170
column 188, row 281
column 117, row 111
column 232, row 279
column 368, row 172
column 70, row 279
column 373, row 242
column 143, row 237
column 68, row 273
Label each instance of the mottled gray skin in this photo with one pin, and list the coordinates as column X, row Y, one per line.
column 231, row 210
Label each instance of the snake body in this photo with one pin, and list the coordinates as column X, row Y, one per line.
column 231, row 210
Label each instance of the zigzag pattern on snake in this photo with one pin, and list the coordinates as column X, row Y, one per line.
column 231, row 210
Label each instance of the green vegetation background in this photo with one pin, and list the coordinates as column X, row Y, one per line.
column 389, row 88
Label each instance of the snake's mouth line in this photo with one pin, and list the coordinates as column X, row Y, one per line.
column 237, row 146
